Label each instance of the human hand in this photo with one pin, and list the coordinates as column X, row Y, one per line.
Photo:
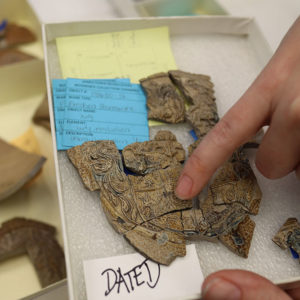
column 273, row 99
column 243, row 285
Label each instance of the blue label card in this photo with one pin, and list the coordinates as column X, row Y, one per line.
column 94, row 82
column 59, row 88
column 99, row 110
column 135, row 277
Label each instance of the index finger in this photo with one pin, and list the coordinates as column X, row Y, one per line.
column 240, row 123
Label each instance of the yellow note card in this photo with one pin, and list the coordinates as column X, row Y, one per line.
column 130, row 54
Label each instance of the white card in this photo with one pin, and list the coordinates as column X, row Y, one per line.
column 135, row 277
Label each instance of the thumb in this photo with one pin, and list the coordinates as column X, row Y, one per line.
column 240, row 285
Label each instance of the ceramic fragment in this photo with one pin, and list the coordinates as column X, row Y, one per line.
column 24, row 236
column 146, row 157
column 238, row 240
column 18, row 166
column 14, row 35
column 163, row 101
column 288, row 235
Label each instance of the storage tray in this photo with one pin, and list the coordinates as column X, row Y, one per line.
column 232, row 51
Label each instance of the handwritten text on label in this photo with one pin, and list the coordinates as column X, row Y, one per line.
column 137, row 276
column 133, row 277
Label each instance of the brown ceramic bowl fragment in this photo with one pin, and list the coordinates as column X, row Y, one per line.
column 18, row 166
column 37, row 240
column 15, row 35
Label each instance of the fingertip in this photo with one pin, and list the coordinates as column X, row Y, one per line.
column 260, row 165
column 220, row 289
column 269, row 169
column 184, row 187
column 194, row 176
column 265, row 161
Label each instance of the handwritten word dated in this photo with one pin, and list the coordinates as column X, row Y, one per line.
column 132, row 279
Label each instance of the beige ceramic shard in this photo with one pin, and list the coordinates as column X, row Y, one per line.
column 21, row 236
column 100, row 167
column 18, row 166
column 195, row 226
column 146, row 157
column 195, row 87
column 235, row 182
column 202, row 117
column 288, row 235
column 238, row 240
column 165, row 135
column 171, row 221
column 91, row 158
column 154, row 193
column 198, row 89
column 136, row 204
column 131, row 201
column 163, row 101
column 160, row 245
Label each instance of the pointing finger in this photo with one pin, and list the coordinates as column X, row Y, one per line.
column 240, row 123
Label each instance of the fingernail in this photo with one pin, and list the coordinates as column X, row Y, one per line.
column 184, row 187
column 220, row 289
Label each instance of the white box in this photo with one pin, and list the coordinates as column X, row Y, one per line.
column 232, row 51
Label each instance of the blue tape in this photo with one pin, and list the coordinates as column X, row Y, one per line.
column 3, row 25
column 294, row 253
column 193, row 134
